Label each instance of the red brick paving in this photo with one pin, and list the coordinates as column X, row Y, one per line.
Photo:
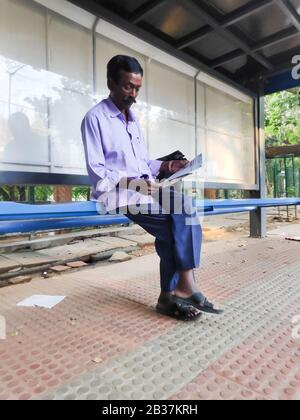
column 111, row 313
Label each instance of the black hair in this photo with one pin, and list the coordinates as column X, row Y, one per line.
column 123, row 63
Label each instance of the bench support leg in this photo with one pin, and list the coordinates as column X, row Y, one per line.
column 258, row 218
column 258, row 223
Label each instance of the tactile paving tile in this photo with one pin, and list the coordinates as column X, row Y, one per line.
column 108, row 314
column 264, row 366
column 210, row 386
column 219, row 281
column 270, row 369
column 45, row 348
column 164, row 365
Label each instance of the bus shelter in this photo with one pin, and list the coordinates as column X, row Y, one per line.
column 208, row 65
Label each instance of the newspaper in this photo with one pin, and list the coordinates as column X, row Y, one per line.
column 193, row 166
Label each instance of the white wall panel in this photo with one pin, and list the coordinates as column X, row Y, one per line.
column 24, row 168
column 225, row 113
column 66, row 115
column 23, row 114
column 171, row 94
column 71, row 63
column 201, row 141
column 171, row 111
column 44, row 95
column 223, row 158
column 23, row 86
column 230, row 138
column 70, row 50
column 201, row 111
column 167, row 136
column 22, row 32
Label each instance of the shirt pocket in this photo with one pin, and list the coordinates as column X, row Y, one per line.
column 116, row 159
column 141, row 147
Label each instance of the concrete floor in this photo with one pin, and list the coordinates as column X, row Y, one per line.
column 105, row 341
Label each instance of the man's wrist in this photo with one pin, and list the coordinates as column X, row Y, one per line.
column 164, row 167
column 170, row 166
column 125, row 182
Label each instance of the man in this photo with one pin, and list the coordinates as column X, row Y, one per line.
column 123, row 179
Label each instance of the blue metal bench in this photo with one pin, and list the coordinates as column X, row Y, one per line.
column 22, row 218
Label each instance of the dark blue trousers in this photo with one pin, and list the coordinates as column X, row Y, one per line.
column 178, row 236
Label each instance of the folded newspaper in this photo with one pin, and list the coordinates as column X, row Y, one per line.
column 193, row 166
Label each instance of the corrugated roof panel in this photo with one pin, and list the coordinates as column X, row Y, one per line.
column 174, row 20
column 128, row 5
column 296, row 4
column 252, row 67
column 236, row 64
column 213, row 46
column 264, row 23
column 227, row 6
column 202, row 42
column 282, row 46
column 283, row 57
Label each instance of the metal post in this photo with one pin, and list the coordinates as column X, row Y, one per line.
column 275, row 185
column 194, row 182
column 94, row 41
column 286, row 186
column 258, row 218
column 31, row 194
column 294, row 183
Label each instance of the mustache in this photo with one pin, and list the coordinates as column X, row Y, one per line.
column 130, row 99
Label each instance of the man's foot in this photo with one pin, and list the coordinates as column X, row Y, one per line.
column 178, row 310
column 185, row 292
column 198, row 300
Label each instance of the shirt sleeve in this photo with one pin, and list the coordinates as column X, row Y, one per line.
column 155, row 166
column 103, row 179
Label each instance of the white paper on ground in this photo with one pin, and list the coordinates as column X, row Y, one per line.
column 41, row 301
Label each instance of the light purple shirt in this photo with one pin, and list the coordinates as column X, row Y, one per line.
column 115, row 150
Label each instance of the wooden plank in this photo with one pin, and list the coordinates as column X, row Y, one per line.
column 7, row 264
column 272, row 152
column 30, row 259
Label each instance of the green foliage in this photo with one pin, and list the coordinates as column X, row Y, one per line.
column 12, row 193
column 21, row 193
column 81, row 193
column 43, row 193
column 282, row 124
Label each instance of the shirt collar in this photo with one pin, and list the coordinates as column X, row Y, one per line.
column 115, row 112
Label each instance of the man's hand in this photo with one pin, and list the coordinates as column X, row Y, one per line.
column 143, row 186
column 176, row 165
column 152, row 188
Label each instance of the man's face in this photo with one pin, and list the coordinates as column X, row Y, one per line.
column 126, row 91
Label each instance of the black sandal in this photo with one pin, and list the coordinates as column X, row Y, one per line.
column 199, row 301
column 178, row 310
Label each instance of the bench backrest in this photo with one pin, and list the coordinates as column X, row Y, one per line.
column 17, row 217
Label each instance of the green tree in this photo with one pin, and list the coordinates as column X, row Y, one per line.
column 12, row 193
column 282, row 124
column 81, row 193
column 43, row 193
